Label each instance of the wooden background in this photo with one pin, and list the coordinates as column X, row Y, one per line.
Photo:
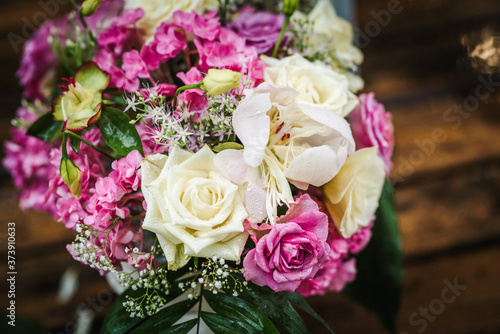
column 447, row 192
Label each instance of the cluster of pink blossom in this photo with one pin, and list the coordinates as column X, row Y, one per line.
column 27, row 160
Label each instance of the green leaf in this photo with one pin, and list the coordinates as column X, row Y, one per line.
column 227, row 146
column 165, row 318
column 379, row 281
column 118, row 320
column 182, row 328
column 276, row 307
column 75, row 144
column 118, row 133
column 223, row 325
column 45, row 128
column 236, row 308
column 297, row 300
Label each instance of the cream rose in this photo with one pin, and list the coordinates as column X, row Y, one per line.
column 193, row 209
column 318, row 85
column 351, row 197
column 158, row 11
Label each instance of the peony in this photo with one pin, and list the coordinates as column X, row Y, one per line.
column 193, row 209
column 286, row 142
column 317, row 84
column 158, row 11
column 372, row 126
column 292, row 251
column 352, row 196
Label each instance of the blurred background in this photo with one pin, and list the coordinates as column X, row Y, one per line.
column 435, row 64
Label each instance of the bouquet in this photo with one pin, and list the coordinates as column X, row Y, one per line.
column 210, row 157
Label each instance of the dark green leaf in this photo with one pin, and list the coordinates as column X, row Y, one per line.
column 378, row 284
column 165, row 318
column 45, row 128
column 236, row 308
column 118, row 133
column 297, row 300
column 182, row 328
column 75, row 144
column 276, row 307
column 118, row 320
column 223, row 325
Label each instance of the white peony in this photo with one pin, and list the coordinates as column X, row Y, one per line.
column 192, row 208
column 158, row 11
column 284, row 142
column 317, row 84
column 352, row 196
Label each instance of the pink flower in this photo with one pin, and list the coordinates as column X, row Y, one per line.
column 332, row 277
column 292, row 251
column 169, row 40
column 126, row 170
column 134, row 66
column 372, row 126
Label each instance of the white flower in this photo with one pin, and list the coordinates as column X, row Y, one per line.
column 193, row 209
column 328, row 26
column 283, row 142
column 158, row 11
column 317, row 84
column 352, row 196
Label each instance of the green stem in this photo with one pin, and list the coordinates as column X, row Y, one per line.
column 182, row 88
column 86, row 142
column 64, row 149
column 282, row 33
column 84, row 22
column 199, row 309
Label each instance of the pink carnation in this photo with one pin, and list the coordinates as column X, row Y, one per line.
column 372, row 126
column 292, row 251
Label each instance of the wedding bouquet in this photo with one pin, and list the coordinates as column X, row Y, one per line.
column 211, row 154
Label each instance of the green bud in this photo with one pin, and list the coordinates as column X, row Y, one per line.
column 89, row 7
column 290, row 6
column 71, row 176
column 220, row 81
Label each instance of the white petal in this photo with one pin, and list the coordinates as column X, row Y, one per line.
column 251, row 125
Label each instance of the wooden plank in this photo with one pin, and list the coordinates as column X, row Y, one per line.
column 430, row 137
column 475, row 309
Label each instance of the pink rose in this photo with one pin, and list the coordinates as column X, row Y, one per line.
column 292, row 251
column 372, row 126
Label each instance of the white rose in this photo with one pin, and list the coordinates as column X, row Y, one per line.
column 318, row 85
column 352, row 196
column 158, row 11
column 326, row 25
column 193, row 209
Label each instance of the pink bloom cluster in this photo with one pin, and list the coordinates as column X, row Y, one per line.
column 115, row 45
column 27, row 160
column 372, row 126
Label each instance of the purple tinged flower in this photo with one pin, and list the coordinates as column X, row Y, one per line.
column 261, row 29
column 292, row 251
column 372, row 126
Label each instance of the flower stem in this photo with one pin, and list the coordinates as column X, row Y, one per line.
column 84, row 23
column 282, row 33
column 87, row 142
column 199, row 309
column 182, row 88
